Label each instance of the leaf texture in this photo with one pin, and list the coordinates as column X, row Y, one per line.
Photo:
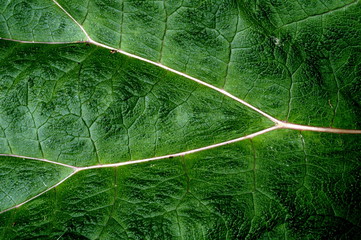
column 180, row 119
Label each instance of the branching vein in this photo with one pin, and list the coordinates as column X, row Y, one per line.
column 41, row 193
column 77, row 169
column 72, row 18
column 90, row 40
column 278, row 124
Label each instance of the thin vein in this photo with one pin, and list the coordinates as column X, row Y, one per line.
column 279, row 124
column 38, row 195
column 80, row 26
column 320, row 14
column 222, row 91
column 39, row 42
column 39, row 159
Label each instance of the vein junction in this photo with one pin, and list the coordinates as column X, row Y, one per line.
column 278, row 123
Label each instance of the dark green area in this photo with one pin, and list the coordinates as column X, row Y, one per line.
column 296, row 60
column 279, row 185
column 23, row 178
column 83, row 105
column 79, row 104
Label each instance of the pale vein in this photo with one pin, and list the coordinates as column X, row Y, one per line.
column 41, row 193
column 90, row 40
column 278, row 124
column 78, row 169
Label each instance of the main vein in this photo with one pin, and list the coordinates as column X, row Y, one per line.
column 278, row 124
column 281, row 125
column 222, row 91
column 78, row 169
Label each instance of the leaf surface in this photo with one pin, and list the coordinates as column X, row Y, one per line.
column 182, row 135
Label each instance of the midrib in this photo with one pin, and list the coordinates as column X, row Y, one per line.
column 278, row 123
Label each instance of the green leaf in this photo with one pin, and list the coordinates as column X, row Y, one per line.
column 171, row 119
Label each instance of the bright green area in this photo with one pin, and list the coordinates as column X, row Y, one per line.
column 82, row 105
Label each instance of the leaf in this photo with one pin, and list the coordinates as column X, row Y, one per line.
column 180, row 119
